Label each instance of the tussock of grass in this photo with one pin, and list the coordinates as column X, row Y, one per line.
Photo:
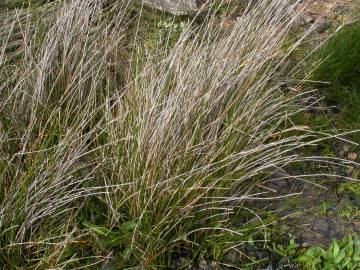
column 341, row 68
column 108, row 150
column 342, row 56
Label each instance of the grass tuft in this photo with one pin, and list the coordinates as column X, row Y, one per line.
column 112, row 151
column 341, row 68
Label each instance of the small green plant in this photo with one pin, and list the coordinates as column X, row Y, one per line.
column 158, row 30
column 349, row 212
column 170, row 29
column 350, row 187
column 325, row 206
column 112, row 238
column 340, row 255
column 287, row 251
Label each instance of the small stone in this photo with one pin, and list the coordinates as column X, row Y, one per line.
column 321, row 225
column 108, row 264
column 307, row 236
column 180, row 7
column 202, row 265
column 308, row 19
column 352, row 156
column 231, row 257
column 322, row 25
column 340, row 8
column 214, row 266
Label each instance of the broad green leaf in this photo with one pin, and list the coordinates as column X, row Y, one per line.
column 340, row 257
column 96, row 229
column 335, row 248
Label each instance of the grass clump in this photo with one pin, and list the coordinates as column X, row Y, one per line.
column 108, row 150
column 341, row 68
column 341, row 56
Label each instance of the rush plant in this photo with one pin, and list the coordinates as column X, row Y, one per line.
column 110, row 151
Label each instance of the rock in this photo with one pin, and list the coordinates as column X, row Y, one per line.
column 302, row 21
column 308, row 237
column 341, row 8
column 203, row 265
column 176, row 7
column 352, row 156
column 308, row 19
column 305, row 244
column 232, row 257
column 214, row 266
column 321, row 225
column 322, row 25
column 108, row 264
column 208, row 265
column 182, row 263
